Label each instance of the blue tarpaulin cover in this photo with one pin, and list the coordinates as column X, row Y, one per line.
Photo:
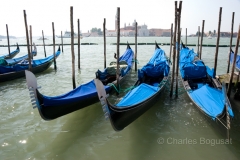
column 157, row 66
column 237, row 65
column 189, row 68
column 24, row 64
column 79, row 93
column 138, row 95
column 16, row 60
column 210, row 100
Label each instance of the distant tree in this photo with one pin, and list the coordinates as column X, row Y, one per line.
column 98, row 30
column 199, row 33
column 94, row 29
column 210, row 32
column 214, row 32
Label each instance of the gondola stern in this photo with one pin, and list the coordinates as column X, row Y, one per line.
column 59, row 49
column 18, row 47
column 128, row 46
column 34, row 52
column 156, row 45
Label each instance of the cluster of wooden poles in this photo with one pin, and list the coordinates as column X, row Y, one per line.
column 177, row 31
column 175, row 37
column 30, row 44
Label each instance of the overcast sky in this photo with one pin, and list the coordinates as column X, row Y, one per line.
column 153, row 13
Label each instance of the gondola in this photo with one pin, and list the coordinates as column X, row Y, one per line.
column 152, row 79
column 12, row 54
column 9, row 62
column 84, row 95
column 18, row 70
column 237, row 68
column 203, row 89
column 237, row 65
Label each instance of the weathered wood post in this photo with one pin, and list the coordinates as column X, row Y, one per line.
column 62, row 41
column 104, row 42
column 186, row 38
column 218, row 37
column 44, row 44
column 136, row 24
column 28, row 48
column 230, row 48
column 170, row 54
column 233, row 64
column 174, row 50
column 198, row 40
column 8, row 40
column 200, row 54
column 72, row 47
column 226, row 104
column 78, row 44
column 178, row 46
column 118, row 40
column 30, row 31
column 54, row 60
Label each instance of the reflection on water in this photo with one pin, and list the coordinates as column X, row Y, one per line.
column 171, row 129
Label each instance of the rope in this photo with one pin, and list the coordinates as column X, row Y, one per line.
column 135, row 60
column 120, row 89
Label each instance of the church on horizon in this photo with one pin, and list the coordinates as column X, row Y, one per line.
column 142, row 31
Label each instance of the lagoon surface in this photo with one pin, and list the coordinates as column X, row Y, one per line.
column 171, row 129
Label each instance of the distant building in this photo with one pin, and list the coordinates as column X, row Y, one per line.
column 160, row 32
column 111, row 33
column 127, row 33
column 143, row 31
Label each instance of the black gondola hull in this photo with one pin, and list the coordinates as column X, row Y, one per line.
column 55, row 111
column 120, row 117
column 15, row 75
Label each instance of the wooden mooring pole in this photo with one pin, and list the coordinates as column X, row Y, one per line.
column 178, row 46
column 186, row 38
column 72, row 47
column 8, row 40
column 218, row 38
column 200, row 54
column 27, row 38
column 54, row 54
column 136, row 24
column 170, row 54
column 198, row 40
column 30, row 31
column 62, row 41
column 44, row 44
column 226, row 104
column 104, row 42
column 118, row 41
column 233, row 64
column 78, row 44
column 174, row 51
column 230, row 48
